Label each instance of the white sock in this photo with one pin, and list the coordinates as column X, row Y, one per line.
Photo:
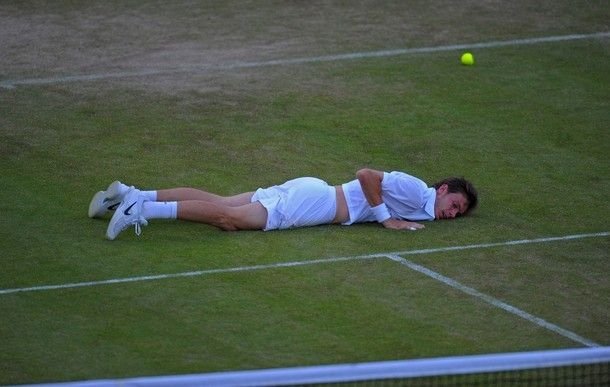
column 149, row 195
column 160, row 210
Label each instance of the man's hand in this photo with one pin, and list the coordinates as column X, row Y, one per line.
column 397, row 224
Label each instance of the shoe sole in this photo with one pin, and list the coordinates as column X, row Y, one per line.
column 98, row 205
column 111, row 232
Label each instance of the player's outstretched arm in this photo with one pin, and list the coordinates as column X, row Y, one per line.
column 398, row 224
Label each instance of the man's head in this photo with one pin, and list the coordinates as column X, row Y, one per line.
column 455, row 197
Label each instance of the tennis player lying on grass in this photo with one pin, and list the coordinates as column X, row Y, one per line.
column 394, row 199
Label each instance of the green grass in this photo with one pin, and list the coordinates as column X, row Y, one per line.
column 529, row 125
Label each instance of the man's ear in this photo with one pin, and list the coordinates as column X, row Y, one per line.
column 442, row 190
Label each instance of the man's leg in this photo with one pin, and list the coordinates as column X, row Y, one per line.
column 135, row 211
column 183, row 194
column 251, row 216
column 166, row 206
column 225, row 212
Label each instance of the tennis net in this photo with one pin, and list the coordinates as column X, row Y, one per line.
column 567, row 367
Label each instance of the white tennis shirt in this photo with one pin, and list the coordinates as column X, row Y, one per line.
column 406, row 197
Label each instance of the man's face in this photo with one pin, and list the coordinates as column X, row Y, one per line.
column 449, row 205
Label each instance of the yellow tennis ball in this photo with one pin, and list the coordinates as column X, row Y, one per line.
column 467, row 59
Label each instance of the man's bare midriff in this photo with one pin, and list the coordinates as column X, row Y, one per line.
column 342, row 214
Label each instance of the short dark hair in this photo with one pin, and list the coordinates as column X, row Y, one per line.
column 463, row 186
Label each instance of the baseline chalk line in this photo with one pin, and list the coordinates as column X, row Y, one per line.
column 294, row 264
column 12, row 83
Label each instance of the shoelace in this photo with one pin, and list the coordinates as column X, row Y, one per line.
column 139, row 223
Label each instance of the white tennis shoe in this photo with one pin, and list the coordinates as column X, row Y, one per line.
column 129, row 213
column 105, row 201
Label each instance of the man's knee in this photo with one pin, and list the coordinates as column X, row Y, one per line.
column 227, row 222
column 252, row 216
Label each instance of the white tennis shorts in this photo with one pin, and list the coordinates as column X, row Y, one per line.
column 301, row 202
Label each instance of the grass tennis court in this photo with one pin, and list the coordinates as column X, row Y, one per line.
column 158, row 96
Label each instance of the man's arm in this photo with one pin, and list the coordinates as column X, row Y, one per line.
column 370, row 181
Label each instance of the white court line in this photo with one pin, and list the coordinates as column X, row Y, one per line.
column 499, row 244
column 10, row 84
column 493, row 301
column 298, row 263
column 185, row 274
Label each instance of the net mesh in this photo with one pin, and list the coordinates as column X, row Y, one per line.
column 568, row 367
column 597, row 374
